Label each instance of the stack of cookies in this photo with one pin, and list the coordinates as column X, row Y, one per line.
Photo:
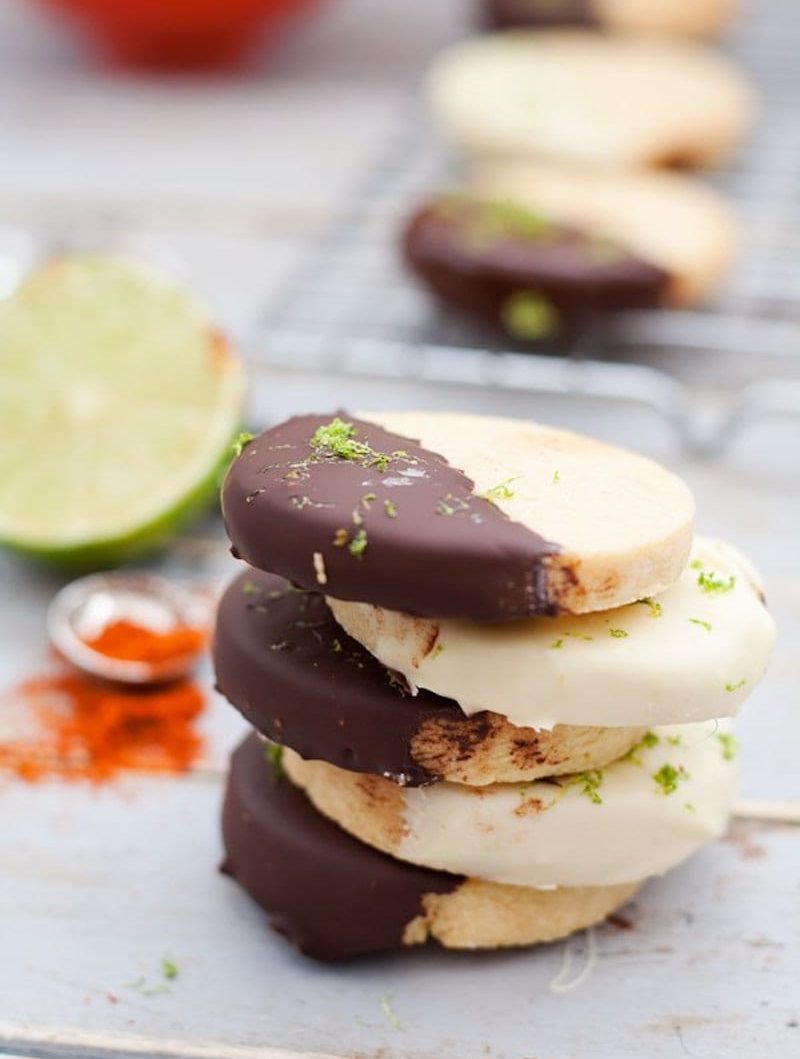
column 489, row 670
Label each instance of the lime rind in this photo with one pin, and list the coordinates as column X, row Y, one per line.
column 118, row 405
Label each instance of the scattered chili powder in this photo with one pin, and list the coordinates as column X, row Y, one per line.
column 135, row 643
column 91, row 730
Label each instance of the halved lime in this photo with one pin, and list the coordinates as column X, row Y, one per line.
column 118, row 403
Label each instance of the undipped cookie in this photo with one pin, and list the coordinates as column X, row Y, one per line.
column 590, row 98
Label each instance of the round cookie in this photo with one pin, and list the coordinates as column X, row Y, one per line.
column 517, row 269
column 282, row 660
column 335, row 897
column 448, row 515
column 691, row 18
column 589, row 98
column 673, row 223
column 637, row 818
column 692, row 653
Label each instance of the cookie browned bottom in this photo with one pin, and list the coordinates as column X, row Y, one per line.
column 335, row 897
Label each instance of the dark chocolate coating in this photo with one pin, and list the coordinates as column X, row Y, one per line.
column 300, row 680
column 437, row 551
column 502, row 14
column 329, row 894
column 580, row 277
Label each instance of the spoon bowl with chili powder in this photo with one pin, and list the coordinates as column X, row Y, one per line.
column 129, row 627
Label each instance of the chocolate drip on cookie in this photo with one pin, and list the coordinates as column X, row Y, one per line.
column 345, row 507
column 282, row 660
column 330, row 895
column 502, row 14
column 511, row 267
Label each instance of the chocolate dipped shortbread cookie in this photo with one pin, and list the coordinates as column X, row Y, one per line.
column 541, row 249
column 445, row 515
column 335, row 897
column 300, row 680
column 691, row 18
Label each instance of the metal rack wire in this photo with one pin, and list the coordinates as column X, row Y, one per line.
column 353, row 310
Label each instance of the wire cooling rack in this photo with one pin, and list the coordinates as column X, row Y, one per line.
column 352, row 310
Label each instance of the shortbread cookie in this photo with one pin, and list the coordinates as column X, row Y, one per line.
column 693, row 652
column 513, row 267
column 675, row 223
column 283, row 661
column 590, row 98
column 691, row 18
column 448, row 515
column 335, row 897
column 637, row 818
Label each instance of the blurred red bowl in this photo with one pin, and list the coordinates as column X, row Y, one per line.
column 177, row 34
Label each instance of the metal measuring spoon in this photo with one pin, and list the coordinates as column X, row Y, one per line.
column 82, row 609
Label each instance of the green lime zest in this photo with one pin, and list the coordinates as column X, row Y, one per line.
column 589, row 783
column 654, row 605
column 703, row 624
column 274, row 755
column 735, row 687
column 500, row 491
column 169, row 968
column 339, row 440
column 730, row 746
column 668, row 777
column 618, row 634
column 240, row 442
column 390, row 508
column 358, row 545
column 529, row 317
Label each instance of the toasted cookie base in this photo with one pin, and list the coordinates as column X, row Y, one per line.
column 335, row 897
column 295, row 674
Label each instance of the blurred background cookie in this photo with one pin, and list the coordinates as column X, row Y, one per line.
column 591, row 98
column 540, row 249
column 695, row 18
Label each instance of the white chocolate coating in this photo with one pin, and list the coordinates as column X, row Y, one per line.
column 543, row 835
column 641, row 664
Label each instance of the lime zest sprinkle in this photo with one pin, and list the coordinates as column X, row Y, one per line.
column 556, row 645
column 240, row 442
column 729, row 744
column 528, row 316
column 735, row 687
column 654, row 605
column 500, row 491
column 707, row 581
column 141, row 986
column 703, row 624
column 579, row 636
column 674, row 740
column 337, row 647
column 668, row 777
column 649, row 739
column 556, row 477
column 437, row 650
column 358, row 545
column 618, row 634
column 250, row 588
column 169, row 968
column 338, row 440
column 390, row 508
column 589, row 783
column 689, row 807
column 273, row 752
column 389, row 1012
